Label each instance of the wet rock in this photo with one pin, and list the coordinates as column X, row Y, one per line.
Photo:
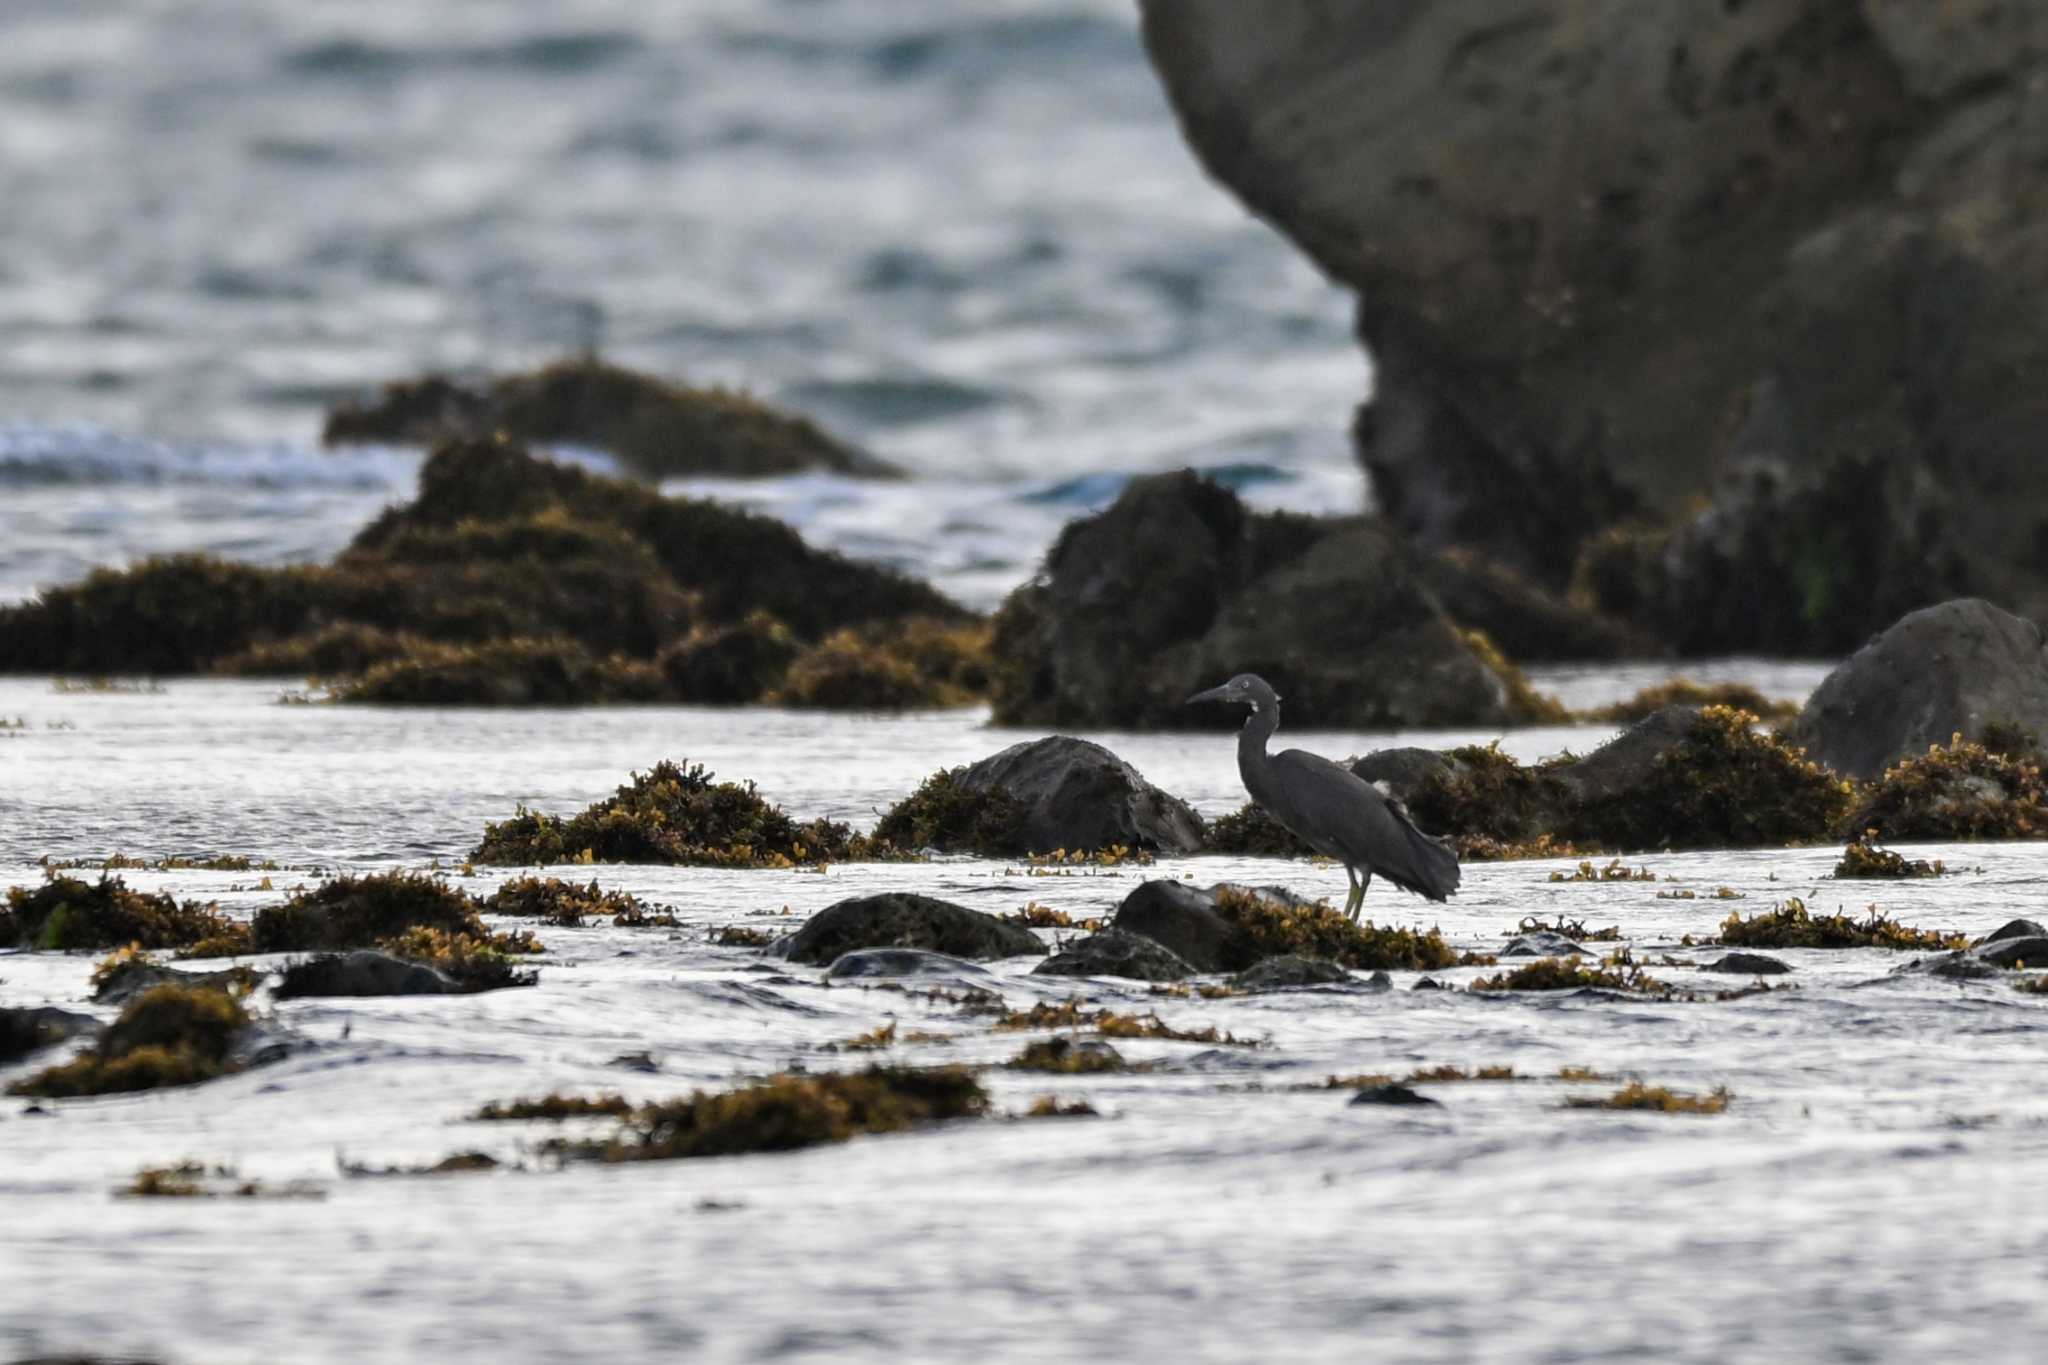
column 1627, row 760
column 881, row 962
column 1428, row 983
column 361, row 973
column 2014, row 928
column 1541, row 944
column 1073, row 794
column 26, row 1030
column 1393, row 1093
column 1523, row 203
column 1952, row 669
column 656, row 427
column 1116, row 952
column 1291, row 972
column 642, row 1062
column 1962, row 966
column 1182, row 919
column 2030, row 951
column 130, row 978
column 896, row 919
column 1527, row 621
column 1176, row 586
column 1748, row 964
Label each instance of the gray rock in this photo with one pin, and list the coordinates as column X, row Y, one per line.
column 1748, row 964
column 1541, row 944
column 1183, row 920
column 137, row 975
column 1628, row 759
column 1393, row 1093
column 1951, row 966
column 1524, row 201
column 362, row 972
column 1292, row 972
column 2014, row 928
column 1079, row 795
column 897, row 919
column 26, row 1030
column 1116, row 952
column 1401, row 771
column 2013, row 952
column 1177, row 586
column 1428, row 983
column 877, row 962
column 1945, row 670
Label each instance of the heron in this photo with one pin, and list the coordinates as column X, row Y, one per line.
column 1330, row 808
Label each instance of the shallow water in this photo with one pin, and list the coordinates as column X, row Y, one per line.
column 1865, row 1197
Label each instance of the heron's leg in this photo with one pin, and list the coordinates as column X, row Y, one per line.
column 1357, row 896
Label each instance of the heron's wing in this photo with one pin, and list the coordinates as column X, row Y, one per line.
column 1342, row 814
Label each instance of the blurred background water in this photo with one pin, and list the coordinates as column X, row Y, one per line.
column 969, row 238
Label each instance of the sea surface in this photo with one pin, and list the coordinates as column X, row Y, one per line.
column 969, row 238
column 1867, row 1195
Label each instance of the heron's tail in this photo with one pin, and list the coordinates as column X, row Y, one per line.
column 1427, row 867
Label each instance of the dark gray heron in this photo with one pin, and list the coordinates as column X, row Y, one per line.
column 1332, row 809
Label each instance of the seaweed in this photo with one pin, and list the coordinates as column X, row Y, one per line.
column 1487, row 793
column 1251, row 832
column 1685, row 692
column 503, row 672
column 474, row 962
column 169, row 1035
column 1065, row 1057
column 1656, row 1099
column 945, row 814
column 554, row 1108
column 1263, row 928
column 1525, row 705
column 1791, row 925
column 1052, row 1107
column 1574, row 929
column 568, row 905
column 787, row 1112
column 1864, row 859
column 67, row 914
column 332, row 650
column 899, row 665
column 732, row 664
column 742, row 936
column 1068, row 1014
column 1568, row 974
column 1954, row 792
column 1614, row 871
column 1449, row 1072
column 364, row 911
column 673, row 815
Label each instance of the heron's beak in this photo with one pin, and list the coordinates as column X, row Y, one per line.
column 1213, row 694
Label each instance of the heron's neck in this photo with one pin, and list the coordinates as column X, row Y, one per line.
column 1251, row 741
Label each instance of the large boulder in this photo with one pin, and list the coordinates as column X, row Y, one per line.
column 1176, row 586
column 1073, row 794
column 1605, row 251
column 898, row 919
column 1957, row 668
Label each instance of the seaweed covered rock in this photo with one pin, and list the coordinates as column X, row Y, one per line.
column 787, row 1112
column 170, row 1035
column 503, row 672
column 360, row 973
column 732, row 664
column 1250, row 832
column 567, row 904
column 1176, row 585
column 1480, row 791
column 66, row 914
column 669, row 814
column 129, row 971
column 657, row 427
column 890, row 666
column 897, row 919
column 26, row 1030
column 1960, row 668
column 1961, row 791
column 1232, row 928
column 1116, row 952
column 358, row 912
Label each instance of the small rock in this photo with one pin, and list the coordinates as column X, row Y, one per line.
column 1544, row 943
column 875, row 962
column 1181, row 918
column 2014, row 928
column 1401, row 771
column 1428, row 983
column 361, row 973
column 1748, row 964
column 1952, row 967
column 1079, row 795
column 636, row 1061
column 898, row 919
column 1116, row 952
column 1291, row 972
column 1393, row 1093
column 1379, row 981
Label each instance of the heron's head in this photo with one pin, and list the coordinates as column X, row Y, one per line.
column 1246, row 689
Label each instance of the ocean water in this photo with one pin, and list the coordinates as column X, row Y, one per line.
column 968, row 238
column 1866, row 1196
